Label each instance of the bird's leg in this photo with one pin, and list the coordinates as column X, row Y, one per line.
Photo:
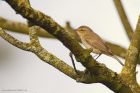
column 97, row 56
column 70, row 54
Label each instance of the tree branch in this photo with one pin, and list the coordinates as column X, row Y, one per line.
column 21, row 28
column 13, row 41
column 72, row 32
column 43, row 54
column 124, row 18
column 129, row 70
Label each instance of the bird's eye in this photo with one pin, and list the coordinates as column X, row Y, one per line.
column 81, row 30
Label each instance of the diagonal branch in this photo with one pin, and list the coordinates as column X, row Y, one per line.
column 124, row 18
column 23, row 28
column 129, row 70
column 40, row 52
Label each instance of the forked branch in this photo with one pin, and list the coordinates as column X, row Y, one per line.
column 35, row 47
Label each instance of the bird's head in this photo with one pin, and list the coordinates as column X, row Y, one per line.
column 83, row 30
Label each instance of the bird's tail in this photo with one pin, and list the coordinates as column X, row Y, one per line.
column 118, row 60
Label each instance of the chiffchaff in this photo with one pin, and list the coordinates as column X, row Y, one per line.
column 94, row 42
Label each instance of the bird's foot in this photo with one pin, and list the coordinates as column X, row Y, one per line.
column 87, row 75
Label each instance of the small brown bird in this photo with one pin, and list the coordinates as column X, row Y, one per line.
column 94, row 42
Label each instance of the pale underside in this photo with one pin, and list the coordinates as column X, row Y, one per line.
column 95, row 43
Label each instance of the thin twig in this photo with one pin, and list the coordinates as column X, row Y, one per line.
column 124, row 19
column 73, row 63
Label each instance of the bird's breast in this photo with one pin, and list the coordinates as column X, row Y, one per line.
column 88, row 46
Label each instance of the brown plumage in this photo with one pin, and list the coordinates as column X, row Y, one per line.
column 93, row 41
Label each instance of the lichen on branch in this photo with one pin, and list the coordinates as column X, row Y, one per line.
column 35, row 47
column 129, row 70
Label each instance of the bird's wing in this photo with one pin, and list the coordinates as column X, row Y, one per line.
column 97, row 44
